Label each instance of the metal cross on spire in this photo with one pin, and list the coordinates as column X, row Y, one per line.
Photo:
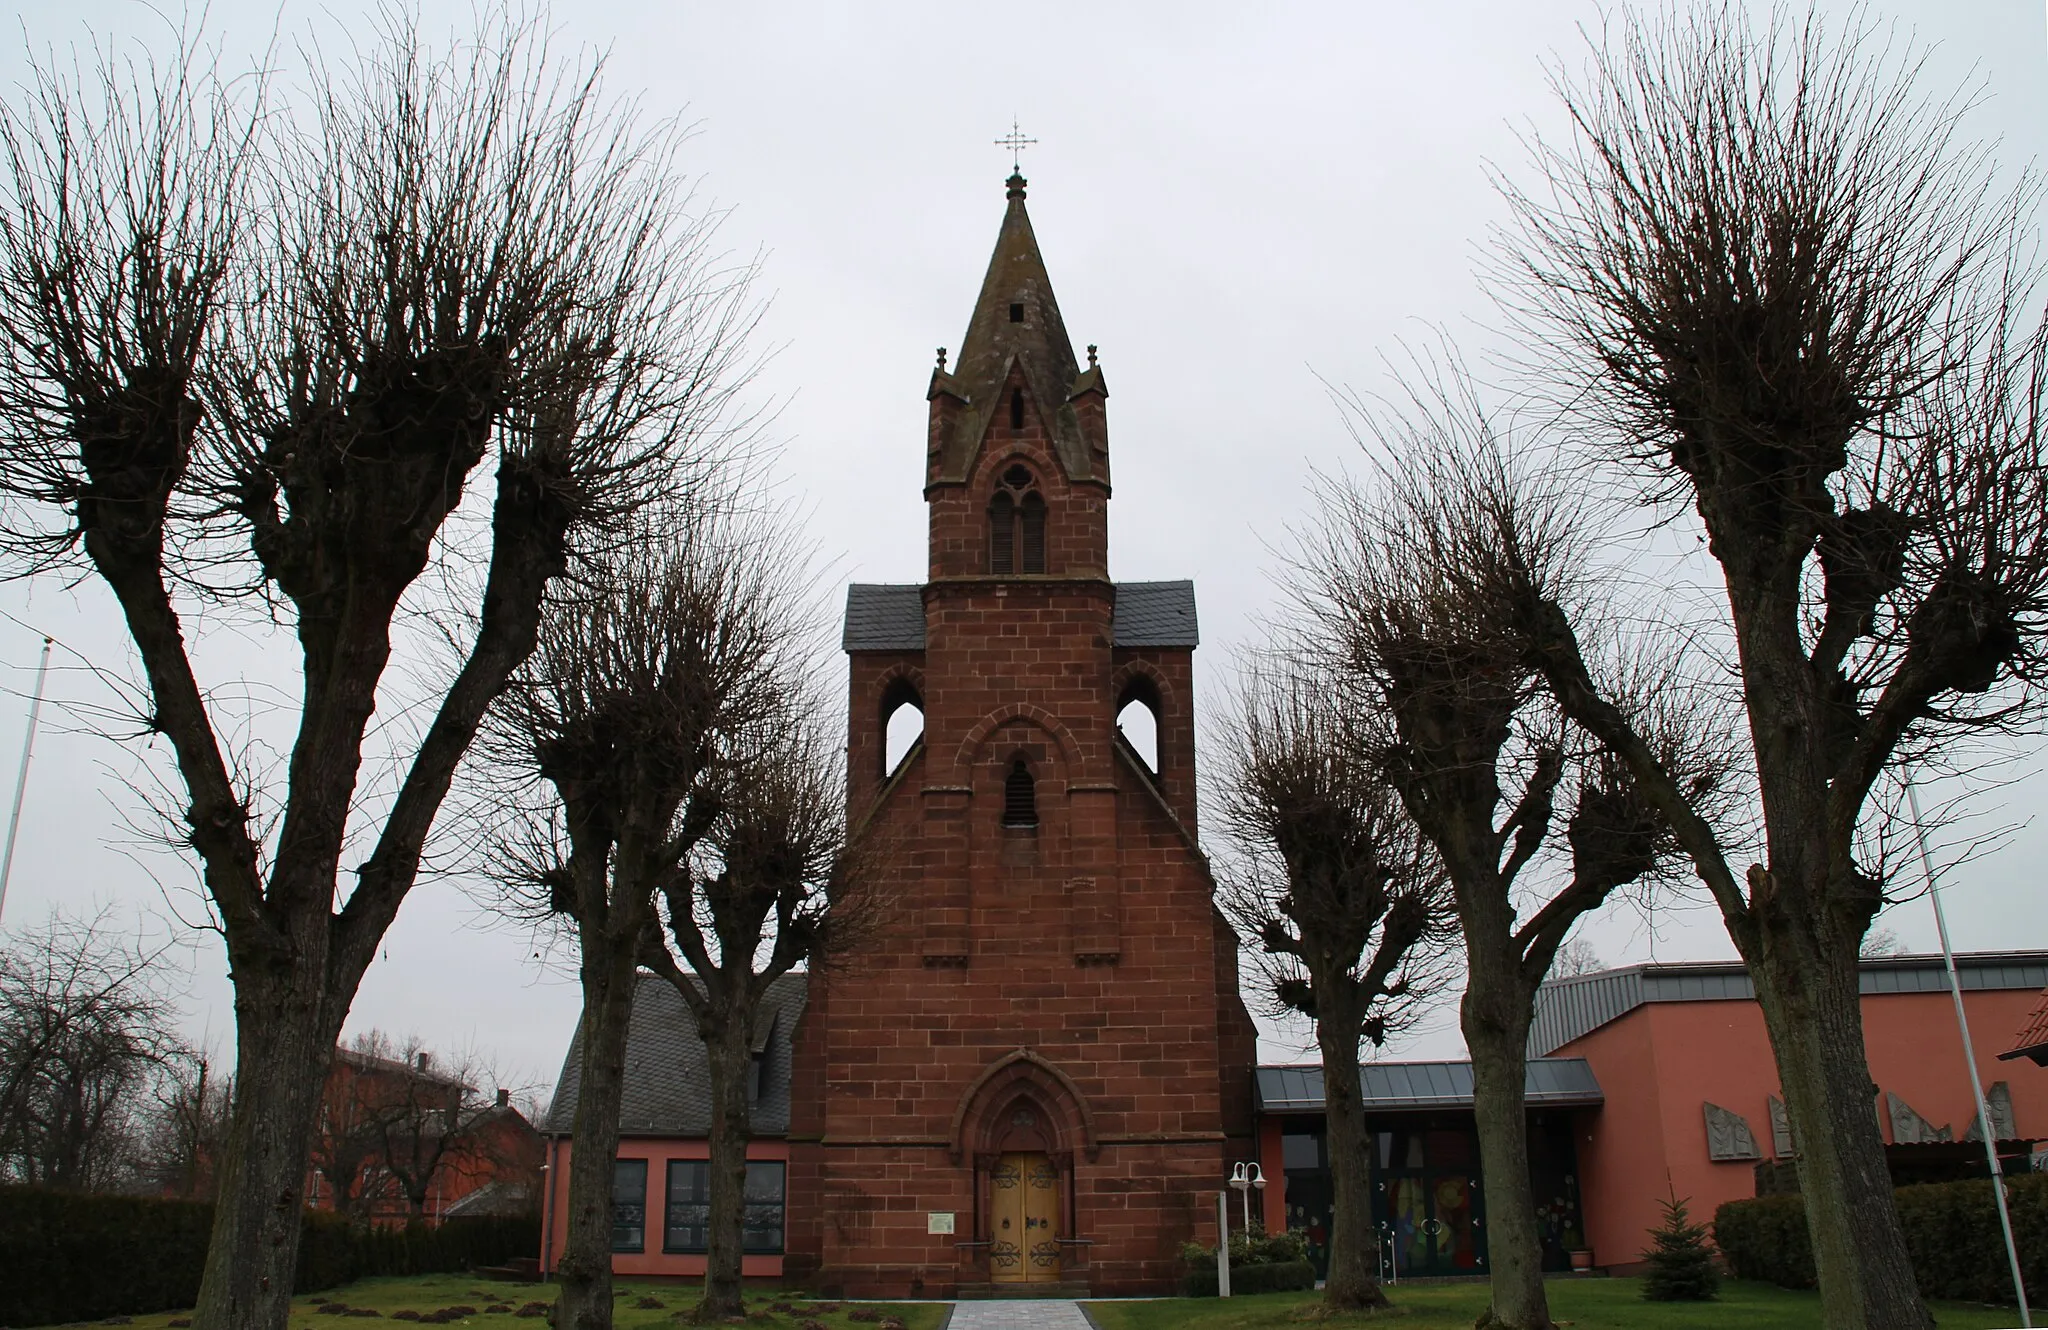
column 1016, row 143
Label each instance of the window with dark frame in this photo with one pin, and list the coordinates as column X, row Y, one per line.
column 629, row 1205
column 688, row 1221
column 1016, row 408
column 1020, row 797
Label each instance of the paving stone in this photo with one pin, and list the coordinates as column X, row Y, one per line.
column 1018, row 1314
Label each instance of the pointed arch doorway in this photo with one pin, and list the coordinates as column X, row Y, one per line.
column 1022, row 1125
column 1026, row 1194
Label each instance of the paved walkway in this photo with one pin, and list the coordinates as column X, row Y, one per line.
column 1017, row 1314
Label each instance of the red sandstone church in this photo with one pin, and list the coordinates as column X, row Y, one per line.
column 1045, row 1074
column 1041, row 1076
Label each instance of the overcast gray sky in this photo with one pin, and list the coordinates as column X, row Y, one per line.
column 1239, row 203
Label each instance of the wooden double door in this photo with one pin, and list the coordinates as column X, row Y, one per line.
column 1024, row 1211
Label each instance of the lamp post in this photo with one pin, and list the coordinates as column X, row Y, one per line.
column 1245, row 1177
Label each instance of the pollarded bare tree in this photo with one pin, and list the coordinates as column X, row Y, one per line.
column 1422, row 582
column 635, row 720
column 778, row 886
column 254, row 359
column 1791, row 296
column 1350, row 906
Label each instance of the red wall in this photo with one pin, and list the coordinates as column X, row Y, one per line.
column 1662, row 1062
column 651, row 1260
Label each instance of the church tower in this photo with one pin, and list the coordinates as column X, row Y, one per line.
column 1042, row 1069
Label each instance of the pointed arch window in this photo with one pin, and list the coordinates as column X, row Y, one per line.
column 902, row 723
column 1016, row 525
column 1138, row 716
column 1020, row 797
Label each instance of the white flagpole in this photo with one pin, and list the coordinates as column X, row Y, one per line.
column 28, row 744
column 1955, row 988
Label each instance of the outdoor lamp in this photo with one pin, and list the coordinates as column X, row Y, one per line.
column 1244, row 1177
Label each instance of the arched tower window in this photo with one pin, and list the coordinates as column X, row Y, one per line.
column 1137, row 720
column 902, row 723
column 1016, row 524
column 1020, row 797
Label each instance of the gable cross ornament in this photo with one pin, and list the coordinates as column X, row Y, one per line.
column 1016, row 143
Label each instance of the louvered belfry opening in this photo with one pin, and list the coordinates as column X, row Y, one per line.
column 1020, row 797
column 1032, row 513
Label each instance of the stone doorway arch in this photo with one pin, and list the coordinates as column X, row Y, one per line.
column 1021, row 1126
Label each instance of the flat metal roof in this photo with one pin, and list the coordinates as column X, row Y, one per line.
column 1569, row 1008
column 1394, row 1086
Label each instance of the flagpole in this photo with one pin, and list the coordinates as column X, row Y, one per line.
column 28, row 744
column 1955, row 988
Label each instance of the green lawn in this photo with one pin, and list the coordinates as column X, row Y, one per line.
column 428, row 1293
column 1587, row 1304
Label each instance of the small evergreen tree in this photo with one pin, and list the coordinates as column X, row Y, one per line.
column 1681, row 1259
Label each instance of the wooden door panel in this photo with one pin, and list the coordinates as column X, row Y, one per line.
column 1024, row 1209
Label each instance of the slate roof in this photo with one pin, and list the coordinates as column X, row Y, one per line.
column 668, row 1088
column 1551, row 1083
column 883, row 617
column 890, row 616
column 1566, row 1009
column 1155, row 614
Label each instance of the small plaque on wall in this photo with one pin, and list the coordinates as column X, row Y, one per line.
column 939, row 1221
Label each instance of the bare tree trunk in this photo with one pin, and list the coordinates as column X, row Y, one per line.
column 1353, row 1282
column 1813, row 1009
column 1495, row 1016
column 585, row 1270
column 730, row 1052
column 284, row 1041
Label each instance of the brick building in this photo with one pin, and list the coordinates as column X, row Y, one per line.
column 1037, row 1077
column 1041, row 1073
column 401, row 1141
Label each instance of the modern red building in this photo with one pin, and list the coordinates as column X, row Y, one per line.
column 1658, row 1080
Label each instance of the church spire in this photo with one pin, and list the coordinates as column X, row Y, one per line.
column 1015, row 328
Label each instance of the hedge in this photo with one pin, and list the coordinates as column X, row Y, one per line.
column 1277, row 1277
column 1259, row 1263
column 67, row 1256
column 1951, row 1233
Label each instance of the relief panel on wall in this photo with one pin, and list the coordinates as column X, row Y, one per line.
column 1728, row 1135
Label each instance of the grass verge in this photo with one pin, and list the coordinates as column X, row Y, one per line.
column 1585, row 1304
column 383, row 1300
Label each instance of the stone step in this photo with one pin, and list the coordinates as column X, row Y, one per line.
column 1055, row 1292
column 1061, row 1290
